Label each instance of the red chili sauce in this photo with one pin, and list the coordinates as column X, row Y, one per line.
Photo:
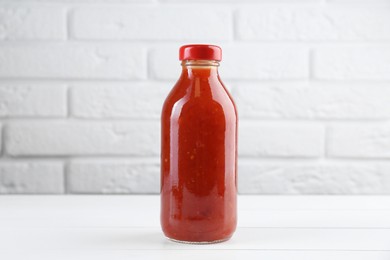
column 198, row 157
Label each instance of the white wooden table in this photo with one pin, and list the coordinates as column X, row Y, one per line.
column 127, row 227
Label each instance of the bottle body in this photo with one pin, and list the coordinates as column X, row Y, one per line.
column 199, row 158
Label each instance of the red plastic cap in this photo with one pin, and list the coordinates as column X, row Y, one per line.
column 200, row 52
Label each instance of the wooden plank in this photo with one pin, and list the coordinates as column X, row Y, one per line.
column 315, row 218
column 197, row 254
column 248, row 218
column 143, row 211
column 152, row 239
column 141, row 202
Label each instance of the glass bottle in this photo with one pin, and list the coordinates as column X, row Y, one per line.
column 199, row 152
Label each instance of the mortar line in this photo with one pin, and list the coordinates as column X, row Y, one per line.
column 234, row 24
column 65, row 175
column 68, row 102
column 311, row 64
column 2, row 139
column 148, row 64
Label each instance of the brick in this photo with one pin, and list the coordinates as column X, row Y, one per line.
column 364, row 63
column 1, row 139
column 240, row 61
column 119, row 100
column 82, row 138
column 305, row 100
column 313, row 178
column 354, row 2
column 102, row 1
column 113, row 177
column 72, row 60
column 244, row 1
column 31, row 177
column 164, row 63
column 152, row 23
column 313, row 23
column 359, row 141
column 280, row 140
column 32, row 99
column 23, row 22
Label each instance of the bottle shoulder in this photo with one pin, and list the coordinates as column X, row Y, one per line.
column 203, row 98
column 199, row 92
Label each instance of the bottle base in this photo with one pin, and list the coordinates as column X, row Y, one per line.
column 199, row 242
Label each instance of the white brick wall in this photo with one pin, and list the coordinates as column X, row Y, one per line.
column 312, row 100
column 20, row 22
column 359, row 141
column 46, row 138
column 318, row 23
column 31, row 177
column 82, row 84
column 115, row 176
column 353, row 63
column 72, row 60
column 280, row 140
column 151, row 23
column 32, row 99
column 132, row 100
column 314, row 178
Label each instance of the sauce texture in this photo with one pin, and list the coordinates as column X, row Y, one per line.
column 198, row 158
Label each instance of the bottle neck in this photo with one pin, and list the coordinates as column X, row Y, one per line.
column 200, row 68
